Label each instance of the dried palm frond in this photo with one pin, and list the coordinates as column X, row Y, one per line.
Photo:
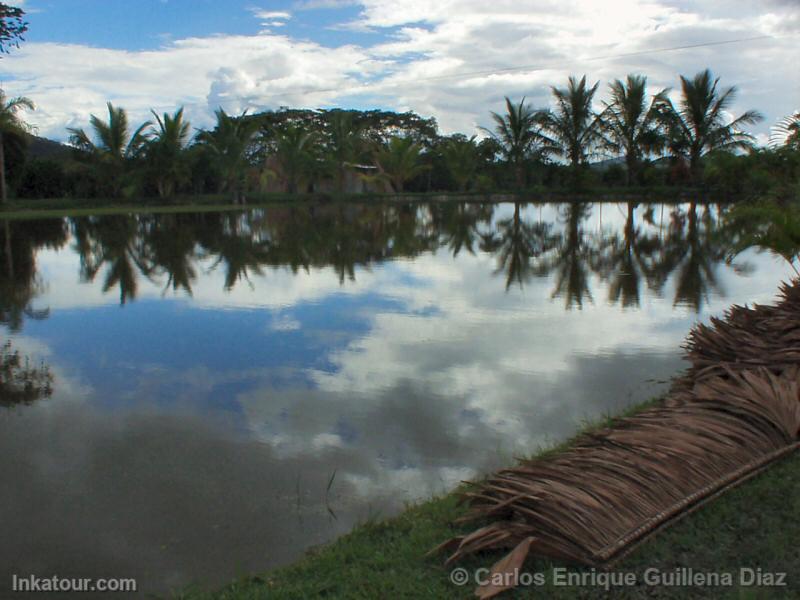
column 735, row 412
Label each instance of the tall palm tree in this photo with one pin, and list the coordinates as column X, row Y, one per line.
column 345, row 144
column 517, row 132
column 398, row 161
column 114, row 145
column 573, row 128
column 165, row 151
column 700, row 124
column 294, row 149
column 11, row 128
column 633, row 127
column 229, row 142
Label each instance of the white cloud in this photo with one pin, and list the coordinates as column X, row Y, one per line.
column 268, row 15
column 454, row 60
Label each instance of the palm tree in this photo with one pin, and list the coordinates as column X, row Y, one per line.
column 573, row 128
column 345, row 143
column 11, row 128
column 700, row 124
column 114, row 145
column 787, row 132
column 517, row 132
column 461, row 159
column 165, row 151
column 229, row 142
column 632, row 127
column 398, row 161
column 294, row 151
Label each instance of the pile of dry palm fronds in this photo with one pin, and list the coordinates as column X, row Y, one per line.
column 736, row 411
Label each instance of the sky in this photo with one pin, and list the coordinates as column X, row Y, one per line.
column 454, row 60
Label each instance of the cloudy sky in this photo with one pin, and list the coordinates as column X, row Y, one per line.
column 451, row 59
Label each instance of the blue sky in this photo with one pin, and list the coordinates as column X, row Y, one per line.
column 148, row 24
column 454, row 60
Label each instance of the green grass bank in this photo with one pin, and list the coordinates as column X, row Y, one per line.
column 754, row 526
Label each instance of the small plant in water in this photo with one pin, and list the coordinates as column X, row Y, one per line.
column 21, row 383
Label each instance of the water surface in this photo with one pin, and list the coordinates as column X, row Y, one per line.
column 229, row 389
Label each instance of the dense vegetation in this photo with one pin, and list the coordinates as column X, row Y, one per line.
column 635, row 138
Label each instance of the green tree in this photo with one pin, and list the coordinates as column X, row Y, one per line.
column 573, row 129
column 517, row 133
column 12, row 27
column 229, row 142
column 461, row 159
column 632, row 126
column 699, row 124
column 294, row 150
column 12, row 131
column 398, row 161
column 165, row 152
column 114, row 146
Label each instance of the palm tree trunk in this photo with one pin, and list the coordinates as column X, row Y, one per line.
column 9, row 257
column 3, row 192
column 630, row 163
column 340, row 175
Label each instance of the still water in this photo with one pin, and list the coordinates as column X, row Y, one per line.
column 209, row 395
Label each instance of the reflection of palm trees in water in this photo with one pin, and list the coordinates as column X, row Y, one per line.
column 625, row 260
column 345, row 237
column 239, row 249
column 171, row 249
column 22, row 382
column 460, row 223
column 113, row 242
column 693, row 248
column 19, row 280
column 517, row 244
column 574, row 258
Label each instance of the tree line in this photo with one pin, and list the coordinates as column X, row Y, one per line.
column 650, row 139
column 646, row 138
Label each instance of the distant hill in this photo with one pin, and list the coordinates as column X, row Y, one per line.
column 39, row 147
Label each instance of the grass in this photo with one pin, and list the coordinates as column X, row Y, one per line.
column 752, row 526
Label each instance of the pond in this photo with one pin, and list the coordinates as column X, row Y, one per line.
column 187, row 398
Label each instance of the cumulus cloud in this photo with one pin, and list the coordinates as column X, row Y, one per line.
column 454, row 60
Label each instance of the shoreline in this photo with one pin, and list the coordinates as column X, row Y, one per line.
column 389, row 558
column 70, row 207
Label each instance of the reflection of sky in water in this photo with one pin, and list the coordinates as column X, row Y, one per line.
column 194, row 436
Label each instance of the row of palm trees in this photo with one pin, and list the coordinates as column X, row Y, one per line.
column 248, row 151
column 633, row 124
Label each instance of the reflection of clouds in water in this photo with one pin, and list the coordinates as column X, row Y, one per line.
column 284, row 323
column 168, row 499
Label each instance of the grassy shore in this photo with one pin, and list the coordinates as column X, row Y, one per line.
column 752, row 526
column 74, row 207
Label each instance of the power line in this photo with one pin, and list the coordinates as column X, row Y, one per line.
column 524, row 68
